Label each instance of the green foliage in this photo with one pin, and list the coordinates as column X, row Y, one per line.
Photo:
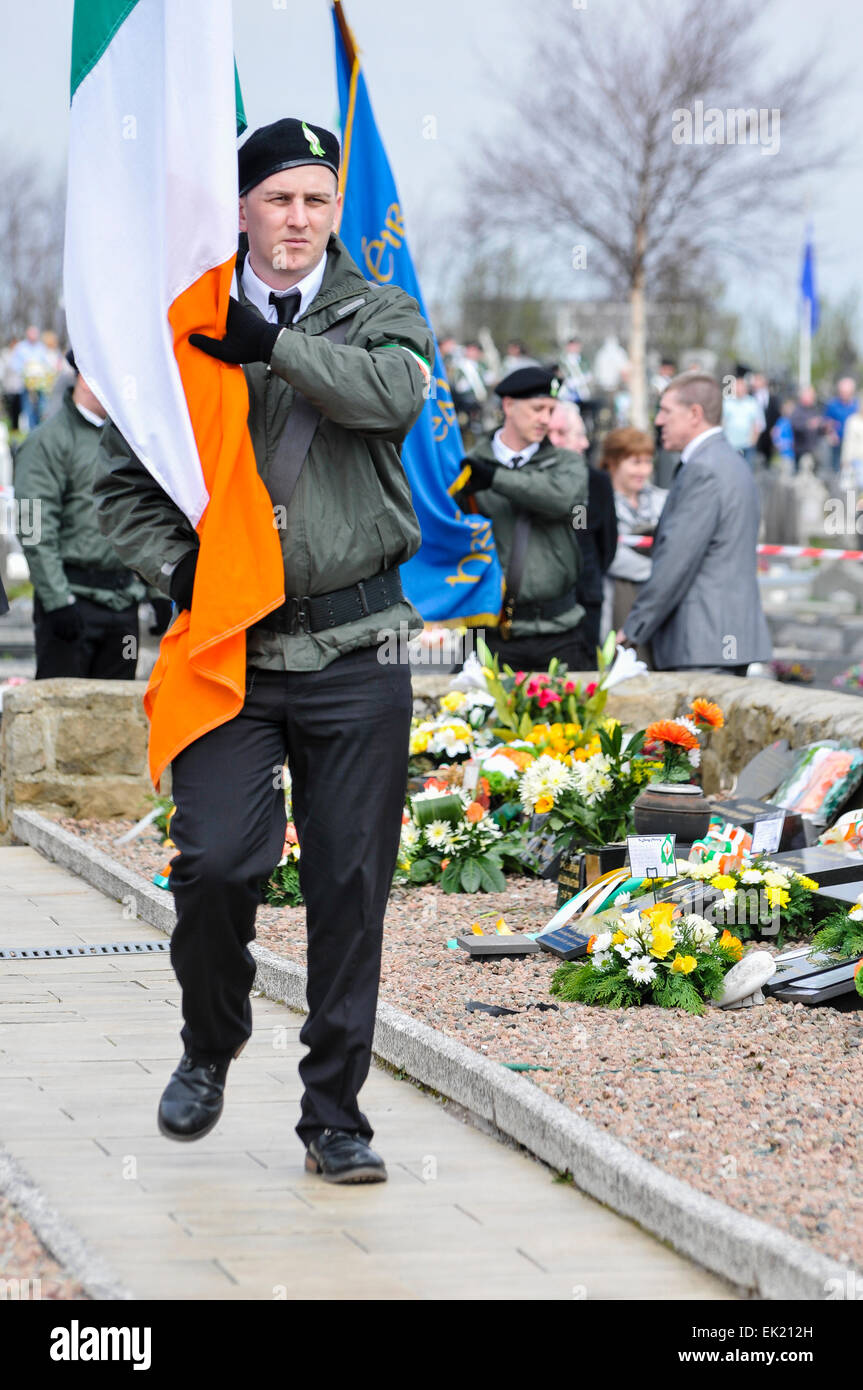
column 839, row 935
column 165, row 805
column 577, row 981
column 283, row 886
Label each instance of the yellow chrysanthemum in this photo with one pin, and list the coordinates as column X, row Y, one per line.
column 808, row 883
column 452, row 701
column 683, row 965
column 663, row 940
column 724, row 881
column 543, row 804
column 777, row 897
column 618, row 938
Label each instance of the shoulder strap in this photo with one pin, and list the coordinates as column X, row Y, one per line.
column 299, row 431
column 514, row 571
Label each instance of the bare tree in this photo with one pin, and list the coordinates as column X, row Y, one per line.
column 651, row 134
column 31, row 249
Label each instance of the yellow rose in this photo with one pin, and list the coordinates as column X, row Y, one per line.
column 451, row 701
column 544, row 804
column 724, row 881
column 419, row 742
column 683, row 965
column 663, row 940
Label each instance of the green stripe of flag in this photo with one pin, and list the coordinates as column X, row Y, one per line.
column 241, row 110
column 94, row 25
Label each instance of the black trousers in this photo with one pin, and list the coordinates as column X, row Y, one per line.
column 344, row 732
column 535, row 652
column 106, row 650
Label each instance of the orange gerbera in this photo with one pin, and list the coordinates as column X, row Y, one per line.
column 669, row 731
column 706, row 712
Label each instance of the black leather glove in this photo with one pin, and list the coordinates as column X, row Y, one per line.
column 67, row 623
column 162, row 612
column 481, row 474
column 248, row 337
column 183, row 581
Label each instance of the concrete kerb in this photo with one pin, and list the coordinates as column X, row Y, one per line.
column 57, row 1234
column 758, row 1258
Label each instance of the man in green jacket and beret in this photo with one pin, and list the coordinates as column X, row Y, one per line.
column 85, row 599
column 536, row 496
column 337, row 371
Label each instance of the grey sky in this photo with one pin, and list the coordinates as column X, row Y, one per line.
column 431, row 60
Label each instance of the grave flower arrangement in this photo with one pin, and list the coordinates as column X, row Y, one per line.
column 523, row 699
column 457, row 730
column 283, row 885
column 650, row 957
column 677, row 742
column 841, row 934
column 451, row 839
column 759, row 898
column 590, row 801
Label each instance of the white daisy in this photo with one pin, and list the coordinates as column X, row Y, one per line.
column 600, row 961
column 751, row 876
column 437, row 832
column 641, row 969
column 602, row 942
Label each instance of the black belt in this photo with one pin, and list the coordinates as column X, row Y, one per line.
column 314, row 613
column 549, row 608
column 98, row 579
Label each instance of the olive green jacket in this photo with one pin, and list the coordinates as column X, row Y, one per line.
column 351, row 514
column 55, row 471
column 552, row 488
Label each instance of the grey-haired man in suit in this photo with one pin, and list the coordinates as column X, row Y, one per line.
column 701, row 607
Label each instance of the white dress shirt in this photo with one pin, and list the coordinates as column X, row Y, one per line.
column 505, row 455
column 259, row 294
column 90, row 415
column 699, row 439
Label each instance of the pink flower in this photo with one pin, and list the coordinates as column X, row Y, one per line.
column 534, row 686
column 591, row 689
column 571, row 687
column 520, row 676
column 548, row 697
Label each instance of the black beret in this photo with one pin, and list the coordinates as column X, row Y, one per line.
column 284, row 145
column 528, row 382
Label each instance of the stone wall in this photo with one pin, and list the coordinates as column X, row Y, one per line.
column 79, row 748
column 74, row 748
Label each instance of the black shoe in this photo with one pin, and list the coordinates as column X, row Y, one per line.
column 343, row 1157
column 193, row 1098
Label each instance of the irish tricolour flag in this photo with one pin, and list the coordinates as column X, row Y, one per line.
column 151, row 238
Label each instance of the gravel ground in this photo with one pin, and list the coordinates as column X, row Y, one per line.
column 22, row 1256
column 759, row 1107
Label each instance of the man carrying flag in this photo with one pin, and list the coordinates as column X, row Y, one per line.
column 337, row 372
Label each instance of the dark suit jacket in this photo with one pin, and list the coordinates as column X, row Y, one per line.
column 4, row 602
column 701, row 605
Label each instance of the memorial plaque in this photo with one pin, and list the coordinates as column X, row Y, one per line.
column 745, row 811
column 569, row 941
column 497, row 944
column 763, row 773
column 842, row 894
column 827, row 864
column 818, row 986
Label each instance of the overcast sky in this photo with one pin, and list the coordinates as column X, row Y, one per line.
column 455, row 60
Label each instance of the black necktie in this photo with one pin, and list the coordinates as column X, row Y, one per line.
column 515, row 461
column 286, row 306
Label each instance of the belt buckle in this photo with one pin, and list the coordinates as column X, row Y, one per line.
column 299, row 618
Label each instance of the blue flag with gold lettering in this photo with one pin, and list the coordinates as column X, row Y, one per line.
column 455, row 575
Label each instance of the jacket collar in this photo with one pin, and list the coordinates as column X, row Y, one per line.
column 342, row 280
column 483, row 449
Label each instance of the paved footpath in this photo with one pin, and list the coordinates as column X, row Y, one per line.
column 86, row 1046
